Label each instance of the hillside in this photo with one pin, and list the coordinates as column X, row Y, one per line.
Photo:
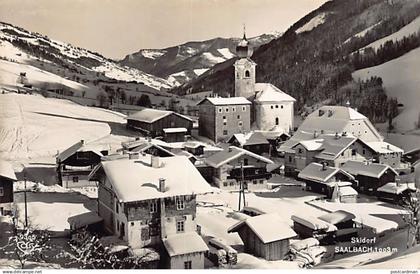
column 314, row 60
column 33, row 126
column 182, row 63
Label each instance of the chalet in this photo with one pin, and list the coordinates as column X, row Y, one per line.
column 271, row 242
column 311, row 227
column 220, row 118
column 76, row 162
column 229, row 165
column 194, row 148
column 322, row 179
column 370, row 176
column 152, row 200
column 385, row 153
column 395, row 192
column 344, row 222
column 333, row 149
column 152, row 121
column 174, row 134
column 7, row 178
column 253, row 141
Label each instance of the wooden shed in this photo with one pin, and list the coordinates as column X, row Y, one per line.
column 266, row 236
column 344, row 222
column 152, row 121
column 311, row 227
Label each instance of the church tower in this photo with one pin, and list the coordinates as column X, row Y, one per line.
column 244, row 70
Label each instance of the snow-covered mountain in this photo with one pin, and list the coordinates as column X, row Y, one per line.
column 27, row 47
column 182, row 63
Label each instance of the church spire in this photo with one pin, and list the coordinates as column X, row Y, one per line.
column 242, row 49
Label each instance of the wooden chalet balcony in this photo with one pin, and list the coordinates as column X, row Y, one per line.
column 250, row 173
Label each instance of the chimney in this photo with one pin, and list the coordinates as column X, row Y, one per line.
column 344, row 134
column 315, row 134
column 230, row 149
column 82, row 142
column 387, row 146
column 162, row 184
column 337, row 136
column 137, row 138
column 155, row 161
column 330, row 113
column 320, row 112
column 324, row 166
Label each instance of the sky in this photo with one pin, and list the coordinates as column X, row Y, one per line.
column 116, row 28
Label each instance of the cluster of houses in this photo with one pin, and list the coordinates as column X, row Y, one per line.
column 147, row 189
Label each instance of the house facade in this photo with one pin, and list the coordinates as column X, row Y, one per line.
column 220, row 118
column 233, row 164
column 144, row 209
column 75, row 163
column 7, row 178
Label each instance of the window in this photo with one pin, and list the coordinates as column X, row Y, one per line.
column 1, row 191
column 244, row 108
column 240, row 123
column 353, row 152
column 233, row 109
column 290, row 159
column 75, row 179
column 132, row 223
column 225, row 184
column 220, row 110
column 227, row 110
column 277, row 106
column 300, row 150
column 261, row 182
column 239, row 116
column 247, row 74
column 272, row 107
column 180, row 226
column 153, row 207
column 254, row 182
column 117, row 208
column 245, row 162
column 364, row 151
column 187, row 265
column 281, row 106
column 180, row 205
column 277, row 121
column 225, row 132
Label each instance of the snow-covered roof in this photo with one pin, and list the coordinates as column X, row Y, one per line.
column 383, row 147
column 374, row 170
column 84, row 219
column 394, row 188
column 347, row 191
column 136, row 179
column 313, row 223
column 334, row 145
column 175, row 130
column 304, row 244
column 150, row 115
column 223, row 157
column 316, row 172
column 184, row 243
column 277, row 229
column 6, row 170
column 337, row 217
column 80, row 146
column 222, row 101
column 251, row 138
column 311, row 145
column 266, row 92
column 243, row 61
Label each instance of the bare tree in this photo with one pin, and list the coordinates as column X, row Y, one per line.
column 412, row 204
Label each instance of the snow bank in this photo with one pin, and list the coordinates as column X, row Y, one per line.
column 313, row 23
column 212, row 59
column 198, row 72
column 226, row 53
column 152, row 54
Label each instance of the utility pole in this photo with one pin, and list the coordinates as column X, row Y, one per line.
column 241, row 187
column 26, row 203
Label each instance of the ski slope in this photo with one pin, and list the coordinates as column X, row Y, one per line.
column 401, row 80
column 33, row 126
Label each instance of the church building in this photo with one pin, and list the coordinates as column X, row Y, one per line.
column 255, row 106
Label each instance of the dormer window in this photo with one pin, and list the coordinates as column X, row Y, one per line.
column 180, row 204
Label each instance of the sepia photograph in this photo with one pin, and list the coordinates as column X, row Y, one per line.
column 209, row 135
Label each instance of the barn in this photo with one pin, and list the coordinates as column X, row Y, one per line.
column 271, row 242
column 151, row 122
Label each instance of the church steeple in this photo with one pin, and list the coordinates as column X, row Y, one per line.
column 244, row 69
column 243, row 49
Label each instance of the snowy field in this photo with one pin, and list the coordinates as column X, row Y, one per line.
column 34, row 126
column 402, row 83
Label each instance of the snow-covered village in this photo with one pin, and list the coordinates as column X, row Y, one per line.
column 297, row 148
